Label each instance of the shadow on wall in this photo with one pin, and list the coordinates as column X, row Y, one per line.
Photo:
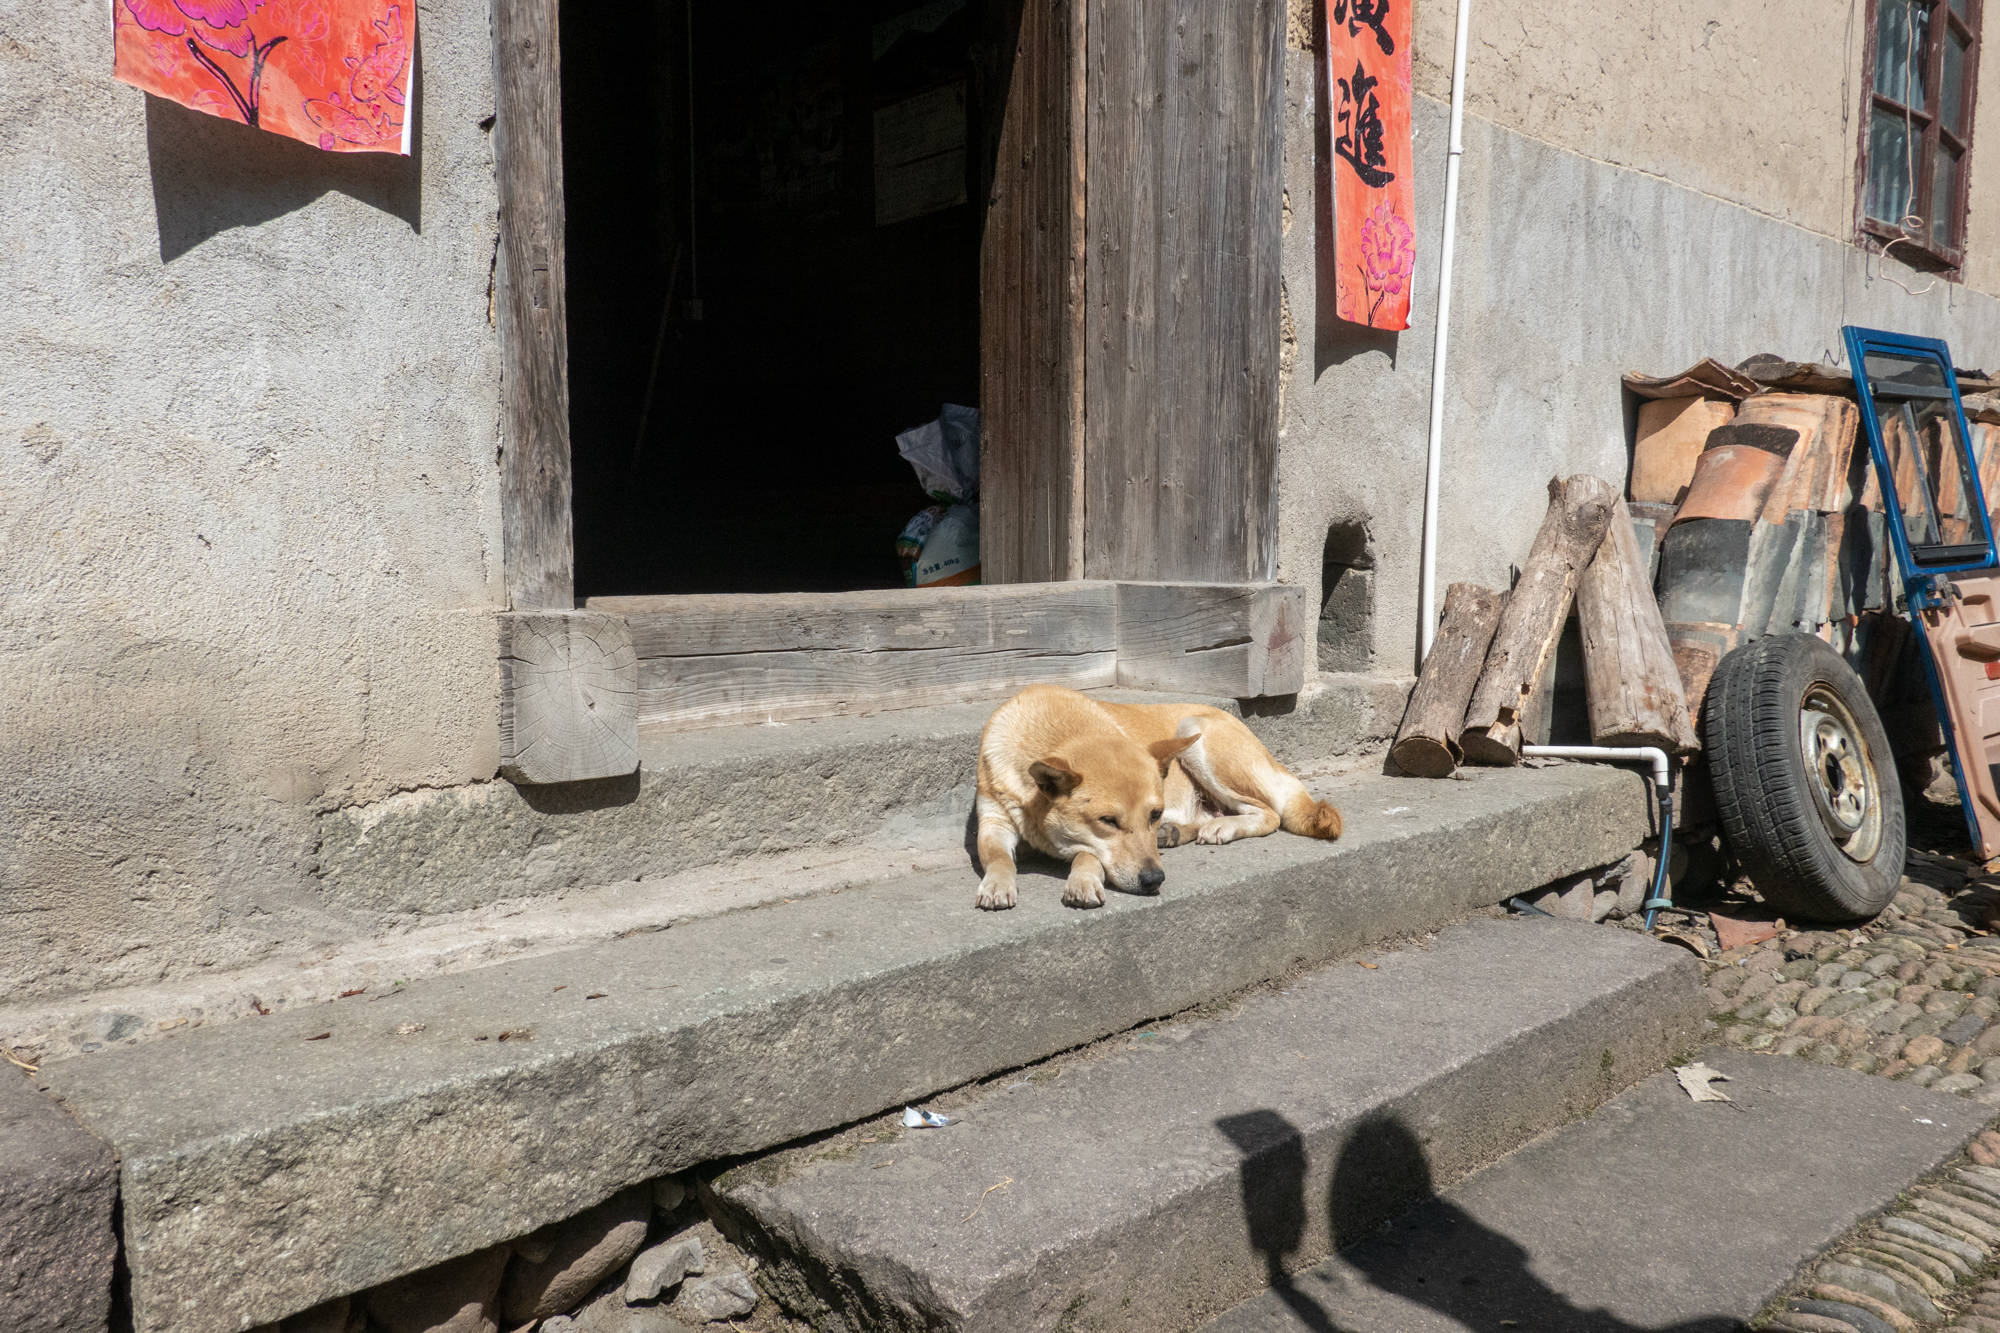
column 211, row 175
column 1449, row 1263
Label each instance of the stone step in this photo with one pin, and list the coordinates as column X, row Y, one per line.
column 393, row 1130
column 1153, row 1187
column 438, row 882
column 57, row 1197
column 703, row 798
column 1656, row 1212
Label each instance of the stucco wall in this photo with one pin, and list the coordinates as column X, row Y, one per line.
column 1570, row 271
column 1756, row 104
column 249, row 507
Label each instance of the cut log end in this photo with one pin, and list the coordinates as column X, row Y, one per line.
column 1423, row 757
column 1495, row 751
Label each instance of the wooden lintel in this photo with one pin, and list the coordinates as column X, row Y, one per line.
column 568, row 696
column 1243, row 640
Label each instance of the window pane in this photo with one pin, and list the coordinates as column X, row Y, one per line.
column 1927, row 461
column 1902, row 29
column 1888, row 168
column 1944, row 198
column 1950, row 472
column 1962, row 8
column 1951, row 93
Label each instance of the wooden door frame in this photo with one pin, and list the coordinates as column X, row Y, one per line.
column 572, row 681
column 530, row 305
column 1042, row 448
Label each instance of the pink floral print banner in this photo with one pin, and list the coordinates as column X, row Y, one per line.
column 1370, row 249
column 335, row 73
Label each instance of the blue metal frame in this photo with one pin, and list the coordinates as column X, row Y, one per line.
column 1860, row 342
column 1920, row 581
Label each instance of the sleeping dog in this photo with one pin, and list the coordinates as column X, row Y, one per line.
column 1104, row 785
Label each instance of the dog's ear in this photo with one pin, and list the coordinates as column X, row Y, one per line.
column 1054, row 777
column 1165, row 751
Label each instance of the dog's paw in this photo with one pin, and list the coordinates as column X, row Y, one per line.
column 1081, row 892
column 1215, row 833
column 1169, row 835
column 996, row 895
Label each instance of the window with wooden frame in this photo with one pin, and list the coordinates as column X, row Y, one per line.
column 1916, row 130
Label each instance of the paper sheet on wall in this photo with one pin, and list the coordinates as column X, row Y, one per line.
column 335, row 73
column 1370, row 249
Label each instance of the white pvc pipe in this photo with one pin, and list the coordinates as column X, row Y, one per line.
column 1619, row 754
column 1427, row 587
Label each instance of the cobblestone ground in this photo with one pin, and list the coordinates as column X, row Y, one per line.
column 1914, row 996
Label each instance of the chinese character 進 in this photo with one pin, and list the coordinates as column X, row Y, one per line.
column 1360, row 121
column 1365, row 14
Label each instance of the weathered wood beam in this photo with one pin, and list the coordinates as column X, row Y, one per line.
column 1243, row 640
column 1182, row 282
column 1031, row 258
column 720, row 659
column 530, row 307
column 568, row 697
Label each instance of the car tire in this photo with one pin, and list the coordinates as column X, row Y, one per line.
column 1804, row 781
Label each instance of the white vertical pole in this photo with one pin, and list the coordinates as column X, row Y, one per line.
column 1427, row 592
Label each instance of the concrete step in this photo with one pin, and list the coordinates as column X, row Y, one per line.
column 1153, row 1187
column 1654, row 1213
column 706, row 797
column 397, row 1129
column 437, row 882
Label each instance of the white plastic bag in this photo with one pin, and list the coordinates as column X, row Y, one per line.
column 945, row 453
column 940, row 546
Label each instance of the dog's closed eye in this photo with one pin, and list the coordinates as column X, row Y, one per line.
column 1109, row 821
column 1155, row 816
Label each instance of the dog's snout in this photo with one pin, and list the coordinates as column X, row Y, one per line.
column 1151, row 878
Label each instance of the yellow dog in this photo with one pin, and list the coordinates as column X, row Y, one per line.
column 1104, row 785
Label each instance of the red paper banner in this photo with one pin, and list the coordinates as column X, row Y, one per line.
column 1366, row 82
column 330, row 72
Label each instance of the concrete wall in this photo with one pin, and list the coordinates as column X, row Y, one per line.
column 1632, row 207
column 249, row 507
column 1758, row 104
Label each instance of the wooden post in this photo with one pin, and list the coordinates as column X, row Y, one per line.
column 1427, row 742
column 1031, row 259
column 569, row 697
column 530, row 308
column 1633, row 688
column 1580, row 509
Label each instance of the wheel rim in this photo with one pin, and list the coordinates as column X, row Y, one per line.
column 1841, row 773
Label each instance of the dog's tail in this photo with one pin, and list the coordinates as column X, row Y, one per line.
column 1309, row 818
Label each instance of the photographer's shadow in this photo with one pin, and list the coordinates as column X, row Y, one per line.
column 1440, row 1257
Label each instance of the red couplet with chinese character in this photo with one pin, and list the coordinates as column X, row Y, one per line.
column 331, row 72
column 1367, row 87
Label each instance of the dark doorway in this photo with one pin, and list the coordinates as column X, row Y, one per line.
column 773, row 268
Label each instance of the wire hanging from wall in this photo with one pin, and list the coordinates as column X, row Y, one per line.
column 1911, row 223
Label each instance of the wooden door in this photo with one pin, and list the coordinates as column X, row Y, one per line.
column 1129, row 292
column 1184, row 176
column 1031, row 296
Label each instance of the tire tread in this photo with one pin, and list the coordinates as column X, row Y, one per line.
column 1750, row 736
